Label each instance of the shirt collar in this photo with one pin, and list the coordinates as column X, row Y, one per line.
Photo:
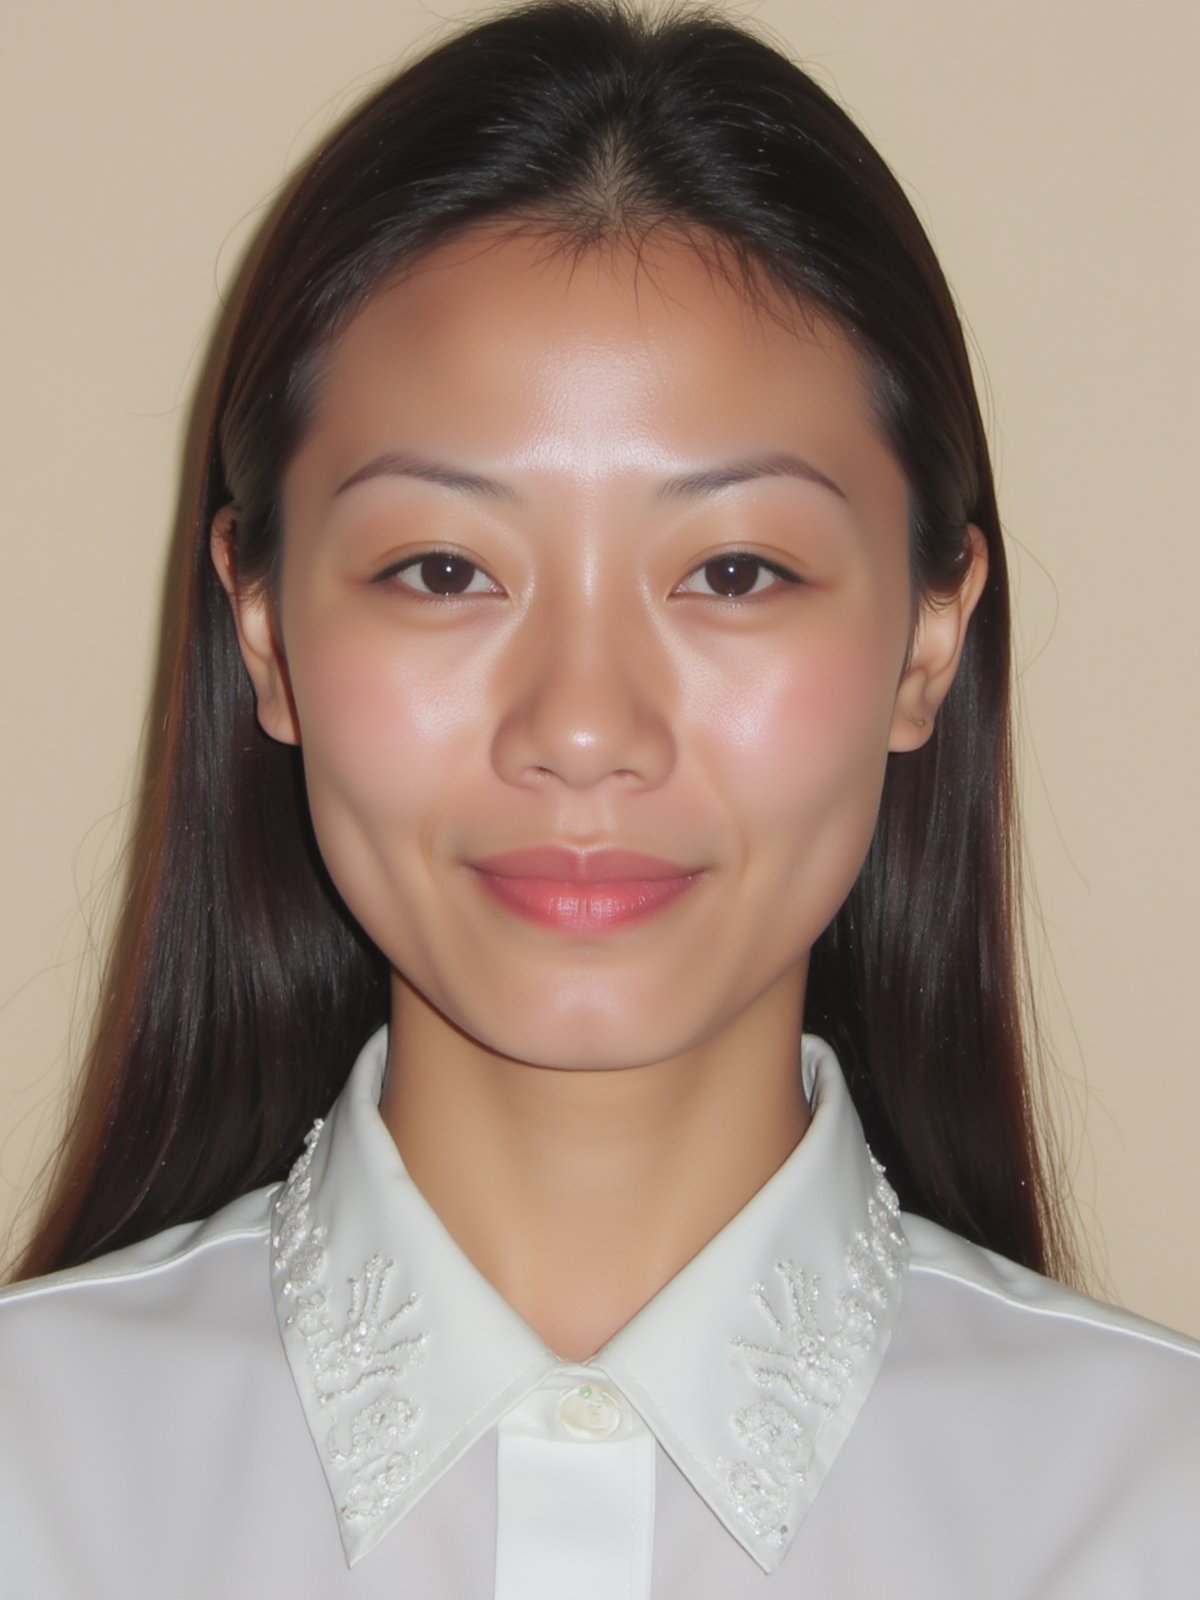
column 750, row 1366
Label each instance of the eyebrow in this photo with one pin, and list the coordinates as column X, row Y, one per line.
column 398, row 464
column 777, row 464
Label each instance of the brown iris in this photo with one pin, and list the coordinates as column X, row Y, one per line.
column 732, row 576
column 443, row 573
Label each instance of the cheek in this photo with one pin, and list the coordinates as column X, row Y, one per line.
column 804, row 738
column 383, row 731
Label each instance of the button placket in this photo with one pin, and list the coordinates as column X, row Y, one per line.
column 575, row 1494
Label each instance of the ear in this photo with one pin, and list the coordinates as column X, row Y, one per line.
column 937, row 648
column 258, row 640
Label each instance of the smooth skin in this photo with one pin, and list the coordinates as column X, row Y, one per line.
column 669, row 611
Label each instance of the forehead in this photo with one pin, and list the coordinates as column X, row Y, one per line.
column 508, row 347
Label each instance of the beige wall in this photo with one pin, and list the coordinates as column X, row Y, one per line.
column 1051, row 148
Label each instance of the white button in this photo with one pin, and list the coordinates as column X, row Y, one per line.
column 589, row 1412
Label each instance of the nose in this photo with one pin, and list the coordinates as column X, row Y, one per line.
column 587, row 699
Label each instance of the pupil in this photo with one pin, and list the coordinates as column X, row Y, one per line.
column 732, row 575
column 446, row 574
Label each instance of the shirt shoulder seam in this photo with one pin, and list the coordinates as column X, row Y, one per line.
column 1092, row 1314
column 205, row 1235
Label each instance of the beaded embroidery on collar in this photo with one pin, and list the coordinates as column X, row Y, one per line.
column 364, row 1351
column 352, row 1352
column 805, row 1368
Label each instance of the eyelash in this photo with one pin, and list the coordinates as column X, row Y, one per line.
column 417, row 561
column 780, row 573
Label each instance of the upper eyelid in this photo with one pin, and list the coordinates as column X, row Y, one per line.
column 391, row 568
column 779, row 568
column 415, row 556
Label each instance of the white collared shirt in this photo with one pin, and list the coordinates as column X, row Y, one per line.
column 314, row 1393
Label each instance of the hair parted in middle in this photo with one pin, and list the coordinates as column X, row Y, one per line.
column 240, row 988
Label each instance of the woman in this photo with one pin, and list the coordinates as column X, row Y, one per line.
column 593, row 664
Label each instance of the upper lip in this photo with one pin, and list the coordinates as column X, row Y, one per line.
column 561, row 865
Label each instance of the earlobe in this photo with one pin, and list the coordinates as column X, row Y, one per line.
column 941, row 633
column 254, row 619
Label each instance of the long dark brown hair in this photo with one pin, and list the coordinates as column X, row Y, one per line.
column 239, row 988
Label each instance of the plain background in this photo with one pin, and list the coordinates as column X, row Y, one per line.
column 1049, row 145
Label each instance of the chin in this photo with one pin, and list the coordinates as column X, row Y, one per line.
column 612, row 1045
column 547, row 1026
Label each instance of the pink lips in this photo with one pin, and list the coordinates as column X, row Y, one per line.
column 583, row 892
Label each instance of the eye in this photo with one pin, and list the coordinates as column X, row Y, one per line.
column 735, row 575
column 440, row 573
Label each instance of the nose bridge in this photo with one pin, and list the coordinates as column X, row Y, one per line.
column 589, row 694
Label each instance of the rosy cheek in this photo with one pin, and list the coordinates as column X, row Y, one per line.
column 802, row 726
column 378, row 725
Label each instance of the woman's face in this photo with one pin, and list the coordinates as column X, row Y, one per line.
column 590, row 554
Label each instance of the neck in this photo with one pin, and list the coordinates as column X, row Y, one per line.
column 579, row 1193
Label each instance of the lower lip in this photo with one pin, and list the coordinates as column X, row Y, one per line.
column 586, row 907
